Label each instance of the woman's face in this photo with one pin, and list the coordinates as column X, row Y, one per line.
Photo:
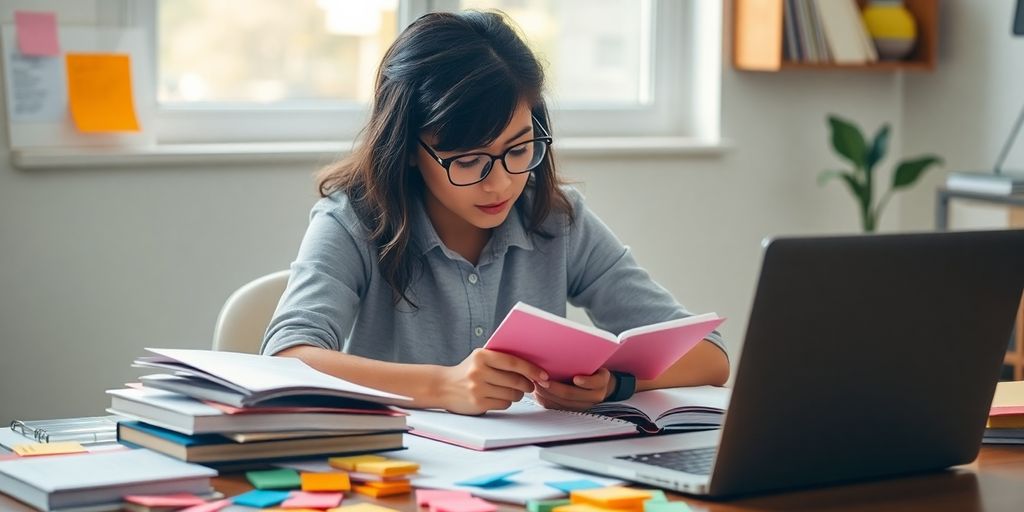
column 485, row 204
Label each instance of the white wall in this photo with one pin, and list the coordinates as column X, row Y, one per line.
column 97, row 264
column 966, row 109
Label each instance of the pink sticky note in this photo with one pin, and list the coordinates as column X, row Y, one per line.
column 425, row 496
column 300, row 499
column 212, row 506
column 37, row 33
column 462, row 505
column 165, row 500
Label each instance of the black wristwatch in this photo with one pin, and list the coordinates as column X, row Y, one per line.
column 625, row 386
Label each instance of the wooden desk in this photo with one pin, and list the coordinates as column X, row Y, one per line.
column 994, row 482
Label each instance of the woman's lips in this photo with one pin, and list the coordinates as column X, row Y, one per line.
column 493, row 208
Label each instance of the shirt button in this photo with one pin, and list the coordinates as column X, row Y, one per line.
column 479, row 331
column 473, row 279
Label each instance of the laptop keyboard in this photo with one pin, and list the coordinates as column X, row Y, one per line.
column 697, row 461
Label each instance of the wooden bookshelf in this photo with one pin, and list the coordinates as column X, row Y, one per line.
column 758, row 31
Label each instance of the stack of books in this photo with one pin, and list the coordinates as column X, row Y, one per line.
column 1006, row 418
column 826, row 31
column 232, row 410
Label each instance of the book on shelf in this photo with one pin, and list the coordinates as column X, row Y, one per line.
column 986, row 182
column 244, row 380
column 527, row 422
column 217, row 448
column 564, row 348
column 99, row 479
column 188, row 416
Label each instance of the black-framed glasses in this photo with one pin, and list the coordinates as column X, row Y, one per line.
column 472, row 168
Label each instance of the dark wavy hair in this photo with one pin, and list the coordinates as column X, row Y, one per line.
column 459, row 76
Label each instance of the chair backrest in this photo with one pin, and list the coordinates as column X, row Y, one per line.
column 244, row 318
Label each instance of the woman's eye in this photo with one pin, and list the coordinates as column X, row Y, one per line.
column 517, row 151
column 468, row 162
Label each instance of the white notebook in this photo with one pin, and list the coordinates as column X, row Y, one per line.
column 525, row 422
column 65, row 481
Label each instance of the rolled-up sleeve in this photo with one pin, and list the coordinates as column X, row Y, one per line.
column 327, row 281
column 606, row 281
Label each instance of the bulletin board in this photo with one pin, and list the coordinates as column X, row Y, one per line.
column 36, row 89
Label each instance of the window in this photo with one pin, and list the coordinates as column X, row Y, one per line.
column 303, row 70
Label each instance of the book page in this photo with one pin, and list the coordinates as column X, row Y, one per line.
column 648, row 351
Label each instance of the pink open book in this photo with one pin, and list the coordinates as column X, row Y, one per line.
column 564, row 348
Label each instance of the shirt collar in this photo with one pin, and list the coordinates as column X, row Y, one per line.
column 511, row 233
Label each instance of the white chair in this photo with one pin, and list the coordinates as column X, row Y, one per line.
column 246, row 314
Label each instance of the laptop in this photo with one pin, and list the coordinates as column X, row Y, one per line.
column 864, row 357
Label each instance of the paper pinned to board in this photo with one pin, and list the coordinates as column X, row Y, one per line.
column 100, row 92
column 37, row 33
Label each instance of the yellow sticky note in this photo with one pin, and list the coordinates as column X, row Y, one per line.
column 33, row 449
column 394, row 484
column 325, row 482
column 388, row 467
column 349, row 463
column 100, row 92
column 362, row 507
column 611, row 497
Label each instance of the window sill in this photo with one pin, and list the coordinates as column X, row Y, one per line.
column 323, row 152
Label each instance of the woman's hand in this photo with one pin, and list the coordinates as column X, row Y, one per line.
column 585, row 392
column 487, row 380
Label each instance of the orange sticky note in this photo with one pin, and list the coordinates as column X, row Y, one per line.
column 37, row 33
column 611, row 497
column 325, row 482
column 362, row 507
column 374, row 492
column 34, row 449
column 100, row 92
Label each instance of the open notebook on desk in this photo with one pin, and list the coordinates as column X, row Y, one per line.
column 526, row 422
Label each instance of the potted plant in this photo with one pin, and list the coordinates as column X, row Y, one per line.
column 849, row 143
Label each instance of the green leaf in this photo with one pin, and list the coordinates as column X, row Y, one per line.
column 828, row 175
column 848, row 141
column 856, row 187
column 910, row 170
column 878, row 147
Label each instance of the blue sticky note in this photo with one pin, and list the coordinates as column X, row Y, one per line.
column 666, row 506
column 573, row 485
column 260, row 498
column 657, row 496
column 490, row 481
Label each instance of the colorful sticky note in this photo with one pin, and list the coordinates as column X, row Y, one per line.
column 325, row 482
column 362, row 507
column 388, row 467
column 37, row 33
column 657, row 495
column 36, row 449
column 376, row 492
column 583, row 507
column 545, row 505
column 490, row 481
column 425, row 496
column 165, row 500
column 274, row 479
column 611, row 497
column 212, row 506
column 100, row 92
column 573, row 485
column 315, row 500
column 666, row 506
column 260, row 498
column 356, row 476
column 462, row 505
column 349, row 463
column 397, row 484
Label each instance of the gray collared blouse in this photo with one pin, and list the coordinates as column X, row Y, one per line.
column 337, row 299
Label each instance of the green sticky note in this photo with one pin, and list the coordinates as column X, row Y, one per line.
column 665, row 506
column 275, row 479
column 657, row 496
column 544, row 505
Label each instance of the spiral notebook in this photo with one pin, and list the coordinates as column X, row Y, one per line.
column 526, row 422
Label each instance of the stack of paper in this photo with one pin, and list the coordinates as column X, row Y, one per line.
column 96, row 479
column 226, row 408
column 1006, row 418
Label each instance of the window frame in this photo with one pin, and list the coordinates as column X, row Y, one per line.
column 673, row 111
